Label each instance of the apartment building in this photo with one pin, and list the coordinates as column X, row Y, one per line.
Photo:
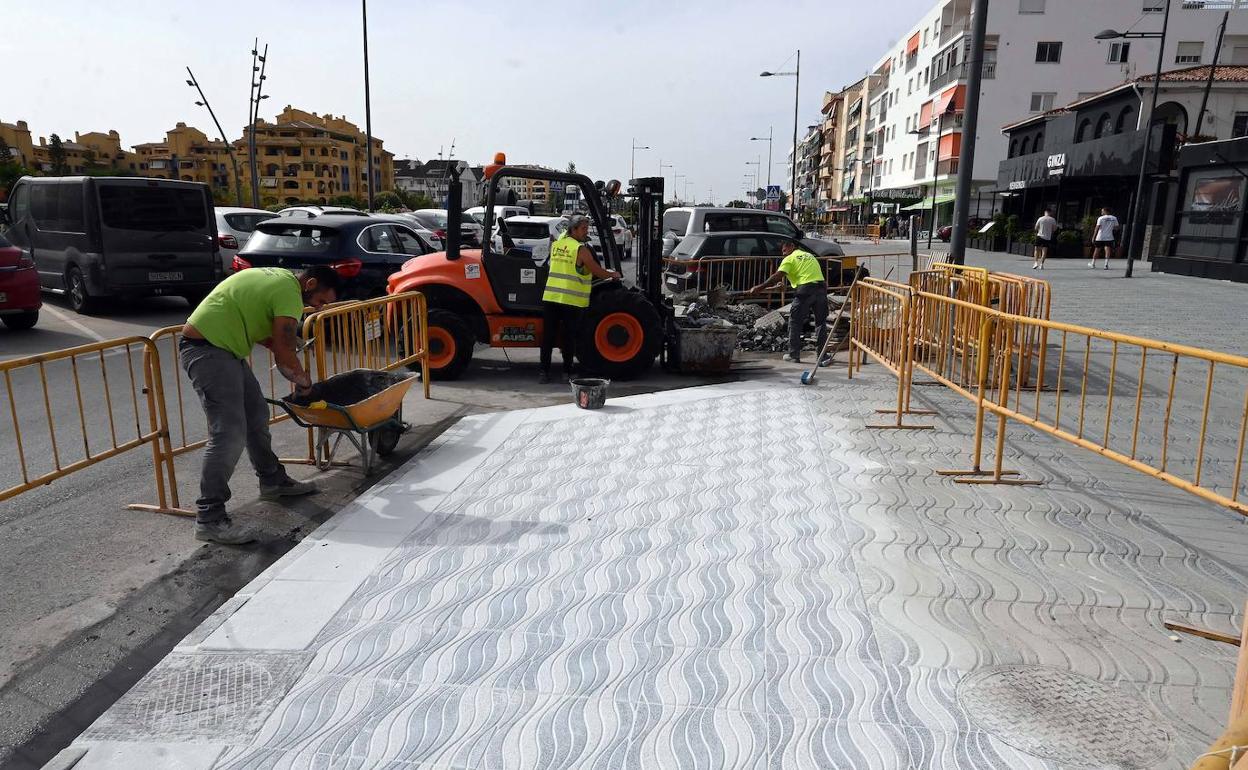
column 1039, row 54
column 303, row 156
column 17, row 137
column 432, row 179
column 187, row 154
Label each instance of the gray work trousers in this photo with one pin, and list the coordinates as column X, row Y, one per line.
column 237, row 417
column 810, row 297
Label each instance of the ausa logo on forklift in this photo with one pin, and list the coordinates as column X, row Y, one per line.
column 527, row 333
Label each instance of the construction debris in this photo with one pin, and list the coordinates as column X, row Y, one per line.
column 758, row 329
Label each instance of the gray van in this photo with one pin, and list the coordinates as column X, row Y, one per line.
column 98, row 237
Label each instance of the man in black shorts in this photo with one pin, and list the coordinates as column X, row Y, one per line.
column 1105, row 238
column 1046, row 228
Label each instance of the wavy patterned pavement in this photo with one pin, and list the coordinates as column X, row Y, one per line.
column 729, row 577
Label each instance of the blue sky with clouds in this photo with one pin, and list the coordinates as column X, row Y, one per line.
column 546, row 82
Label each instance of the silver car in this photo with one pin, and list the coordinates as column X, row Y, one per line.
column 234, row 228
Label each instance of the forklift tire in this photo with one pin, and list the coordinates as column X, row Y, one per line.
column 620, row 335
column 450, row 345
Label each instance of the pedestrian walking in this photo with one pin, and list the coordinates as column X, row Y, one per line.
column 801, row 269
column 1046, row 229
column 572, row 270
column 1105, row 237
column 260, row 305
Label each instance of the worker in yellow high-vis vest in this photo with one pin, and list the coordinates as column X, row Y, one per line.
column 572, row 271
column 802, row 270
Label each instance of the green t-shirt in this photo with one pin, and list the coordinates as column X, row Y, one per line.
column 240, row 311
column 801, row 267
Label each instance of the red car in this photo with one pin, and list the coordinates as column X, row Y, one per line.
column 19, row 288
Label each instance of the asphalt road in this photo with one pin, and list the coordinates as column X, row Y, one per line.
column 93, row 594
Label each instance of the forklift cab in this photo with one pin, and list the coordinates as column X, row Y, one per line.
column 517, row 280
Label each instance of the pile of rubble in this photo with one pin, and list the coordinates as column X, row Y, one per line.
column 757, row 329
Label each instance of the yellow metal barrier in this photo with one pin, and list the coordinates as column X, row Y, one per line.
column 1173, row 401
column 869, row 232
column 880, row 328
column 111, row 426
column 385, row 333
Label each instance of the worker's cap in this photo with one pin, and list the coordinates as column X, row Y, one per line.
column 576, row 220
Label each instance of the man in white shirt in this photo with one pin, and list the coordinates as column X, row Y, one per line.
column 1046, row 229
column 1105, row 238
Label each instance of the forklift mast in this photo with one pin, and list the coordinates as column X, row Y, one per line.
column 591, row 194
column 649, row 194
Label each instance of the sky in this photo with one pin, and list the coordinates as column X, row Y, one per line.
column 545, row 82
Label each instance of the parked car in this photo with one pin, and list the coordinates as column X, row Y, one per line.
column 19, row 288
column 683, row 221
column 97, row 237
column 363, row 250
column 973, row 224
column 308, row 212
column 692, row 266
column 531, row 234
column 430, row 241
column 471, row 233
column 409, row 219
column 234, row 227
column 477, row 213
column 623, row 233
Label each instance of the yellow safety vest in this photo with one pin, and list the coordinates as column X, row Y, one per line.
column 568, row 283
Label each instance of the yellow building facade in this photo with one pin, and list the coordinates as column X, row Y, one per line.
column 300, row 156
column 303, row 156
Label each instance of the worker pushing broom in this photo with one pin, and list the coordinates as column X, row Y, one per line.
column 810, row 287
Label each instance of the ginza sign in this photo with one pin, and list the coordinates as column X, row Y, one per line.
column 1057, row 164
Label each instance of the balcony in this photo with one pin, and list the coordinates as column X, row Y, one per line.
column 989, row 71
column 952, row 75
column 953, row 32
column 947, row 167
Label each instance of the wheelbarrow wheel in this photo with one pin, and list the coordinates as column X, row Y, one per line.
column 385, row 439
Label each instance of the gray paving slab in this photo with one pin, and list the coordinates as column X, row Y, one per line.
column 736, row 576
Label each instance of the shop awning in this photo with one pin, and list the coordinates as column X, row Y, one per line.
column 927, row 204
column 839, row 207
column 912, row 45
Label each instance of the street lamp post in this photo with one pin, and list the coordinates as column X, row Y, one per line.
column 797, row 83
column 632, row 164
column 757, row 174
column 368, row 107
column 1136, row 246
column 238, row 180
column 662, row 166
column 679, row 200
column 253, row 113
column 768, row 140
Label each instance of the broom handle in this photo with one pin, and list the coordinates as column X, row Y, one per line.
column 839, row 313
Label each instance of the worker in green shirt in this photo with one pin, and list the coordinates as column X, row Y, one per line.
column 260, row 305
column 802, row 270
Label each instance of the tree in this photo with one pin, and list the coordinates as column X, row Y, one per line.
column 738, row 204
column 56, row 156
column 571, row 167
column 6, row 155
column 388, row 201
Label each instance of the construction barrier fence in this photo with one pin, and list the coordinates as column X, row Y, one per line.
column 1173, row 412
column 132, row 392
column 868, row 232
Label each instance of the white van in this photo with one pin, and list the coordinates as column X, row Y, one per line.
column 477, row 213
column 531, row 234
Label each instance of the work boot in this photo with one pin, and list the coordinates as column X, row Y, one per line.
column 543, row 378
column 224, row 531
column 288, row 488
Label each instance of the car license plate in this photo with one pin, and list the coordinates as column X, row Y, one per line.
column 164, row 276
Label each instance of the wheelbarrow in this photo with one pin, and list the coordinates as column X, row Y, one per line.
column 362, row 405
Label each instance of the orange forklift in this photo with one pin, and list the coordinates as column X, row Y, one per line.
column 494, row 296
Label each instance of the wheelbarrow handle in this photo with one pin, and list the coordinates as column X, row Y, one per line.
column 344, row 412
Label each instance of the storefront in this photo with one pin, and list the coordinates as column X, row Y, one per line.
column 1207, row 214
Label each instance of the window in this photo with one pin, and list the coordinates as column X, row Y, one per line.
column 1049, row 53
column 294, row 237
column 153, row 209
column 1039, row 142
column 1118, row 53
column 1042, row 102
column 1085, row 128
column 70, row 199
column 45, row 208
column 1189, row 52
column 1124, row 120
column 1031, row 6
column 1104, row 126
column 1013, row 148
column 1240, row 126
